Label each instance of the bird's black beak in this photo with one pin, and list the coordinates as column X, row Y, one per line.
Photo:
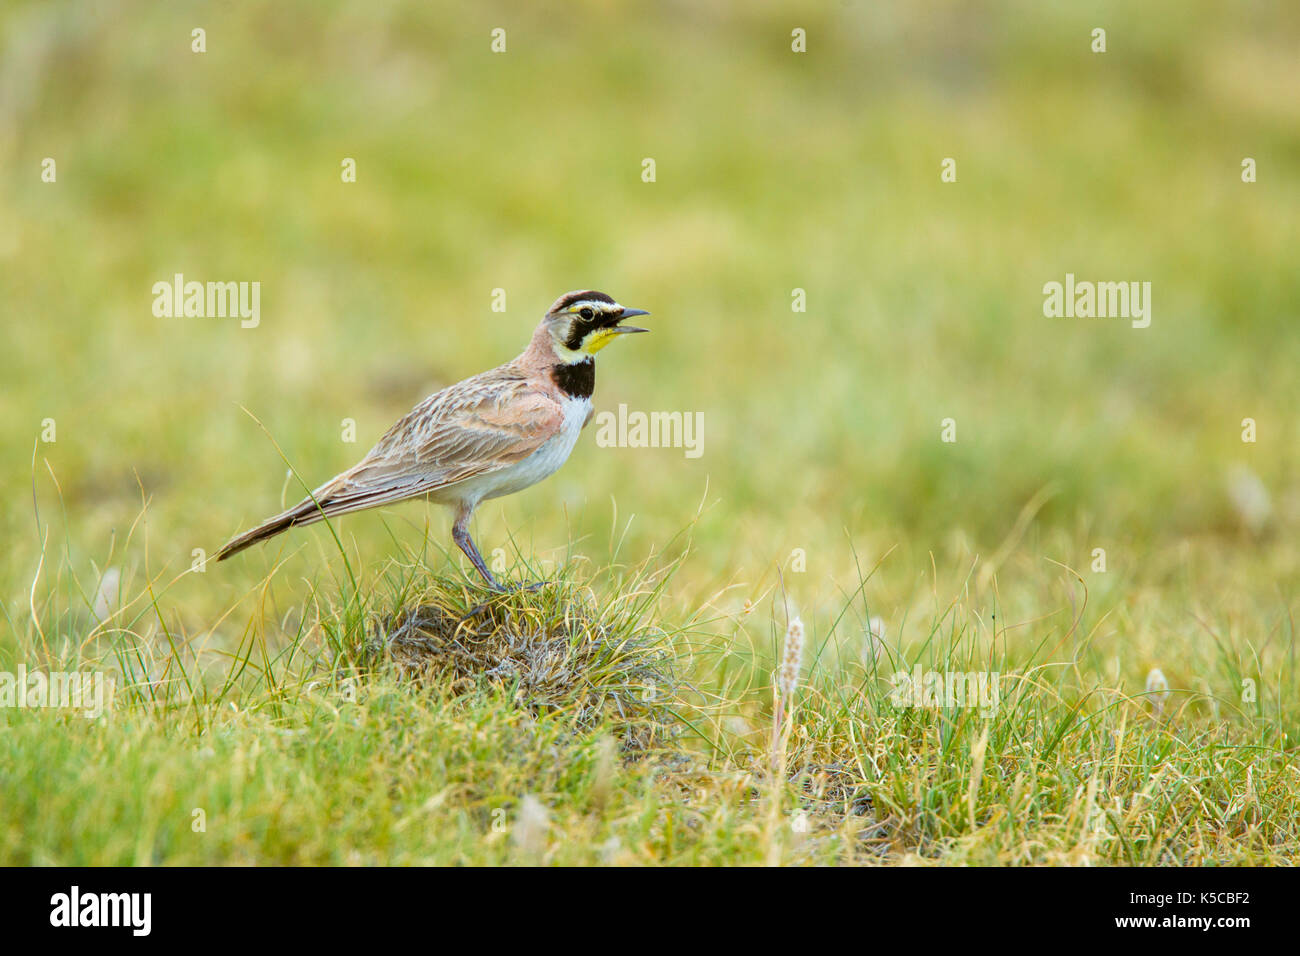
column 627, row 314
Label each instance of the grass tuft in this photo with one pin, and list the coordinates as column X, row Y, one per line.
column 554, row 650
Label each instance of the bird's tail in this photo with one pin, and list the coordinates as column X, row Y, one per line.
column 303, row 513
column 341, row 495
column 323, row 503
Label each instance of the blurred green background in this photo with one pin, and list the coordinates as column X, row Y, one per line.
column 775, row 170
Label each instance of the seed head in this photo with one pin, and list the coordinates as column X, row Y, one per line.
column 1249, row 498
column 106, row 597
column 530, row 829
column 791, row 659
column 1157, row 689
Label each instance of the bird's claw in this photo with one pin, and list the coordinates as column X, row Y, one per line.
column 503, row 589
column 533, row 586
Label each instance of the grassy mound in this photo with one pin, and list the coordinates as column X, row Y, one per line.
column 552, row 650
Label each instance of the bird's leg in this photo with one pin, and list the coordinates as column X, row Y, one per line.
column 460, row 534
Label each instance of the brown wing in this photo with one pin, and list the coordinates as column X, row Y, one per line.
column 471, row 429
column 476, row 427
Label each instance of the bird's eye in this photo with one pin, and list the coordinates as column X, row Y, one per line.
column 587, row 314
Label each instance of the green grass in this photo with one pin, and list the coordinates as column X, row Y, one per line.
column 645, row 742
column 251, row 690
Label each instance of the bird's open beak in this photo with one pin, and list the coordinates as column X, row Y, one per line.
column 627, row 314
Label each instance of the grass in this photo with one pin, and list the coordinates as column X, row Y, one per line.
column 1099, row 515
column 410, row 720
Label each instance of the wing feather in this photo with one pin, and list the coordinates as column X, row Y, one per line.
column 479, row 426
column 459, row 433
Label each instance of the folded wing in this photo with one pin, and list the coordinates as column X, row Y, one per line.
column 480, row 426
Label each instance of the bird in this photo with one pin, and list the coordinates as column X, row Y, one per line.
column 493, row 434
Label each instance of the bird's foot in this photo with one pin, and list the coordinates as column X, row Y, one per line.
column 518, row 588
column 502, row 590
column 532, row 586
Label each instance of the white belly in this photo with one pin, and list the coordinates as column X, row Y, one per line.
column 542, row 463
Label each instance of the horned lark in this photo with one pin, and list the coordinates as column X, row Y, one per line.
column 488, row 436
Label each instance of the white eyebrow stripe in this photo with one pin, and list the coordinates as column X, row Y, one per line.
column 598, row 306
